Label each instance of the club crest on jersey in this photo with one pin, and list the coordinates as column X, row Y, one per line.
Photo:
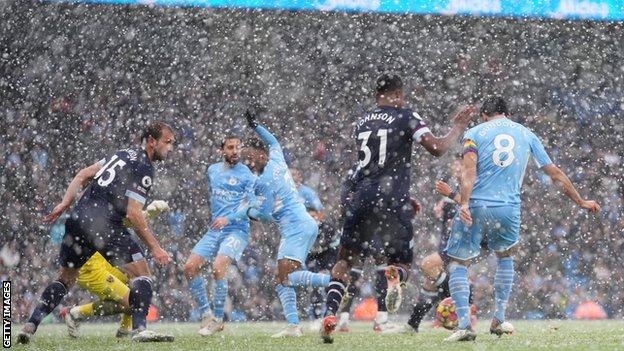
column 146, row 181
column 232, row 181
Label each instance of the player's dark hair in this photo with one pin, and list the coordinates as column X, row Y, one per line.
column 388, row 82
column 258, row 144
column 494, row 105
column 155, row 130
column 229, row 137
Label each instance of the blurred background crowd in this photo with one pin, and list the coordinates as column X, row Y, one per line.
column 78, row 82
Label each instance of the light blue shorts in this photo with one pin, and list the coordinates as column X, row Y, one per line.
column 500, row 225
column 229, row 243
column 297, row 241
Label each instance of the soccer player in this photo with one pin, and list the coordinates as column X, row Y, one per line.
column 495, row 157
column 117, row 188
column 109, row 284
column 231, row 186
column 308, row 196
column 434, row 266
column 380, row 207
column 277, row 200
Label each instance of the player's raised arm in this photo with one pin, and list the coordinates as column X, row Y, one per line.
column 81, row 179
column 557, row 176
column 264, row 134
column 135, row 215
column 437, row 146
column 560, row 179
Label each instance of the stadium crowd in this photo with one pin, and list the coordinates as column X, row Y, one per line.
column 79, row 81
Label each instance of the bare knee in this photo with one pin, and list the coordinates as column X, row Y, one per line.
column 68, row 277
column 507, row 253
column 284, row 268
column 220, row 267
column 192, row 266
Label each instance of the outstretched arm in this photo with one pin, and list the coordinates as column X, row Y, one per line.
column 560, row 179
column 266, row 136
column 438, row 146
column 82, row 178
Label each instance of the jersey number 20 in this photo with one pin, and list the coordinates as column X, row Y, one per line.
column 109, row 168
column 501, row 149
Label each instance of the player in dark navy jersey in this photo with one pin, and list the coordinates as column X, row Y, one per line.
column 380, row 206
column 116, row 188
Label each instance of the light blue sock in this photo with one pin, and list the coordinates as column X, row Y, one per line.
column 460, row 292
column 198, row 291
column 307, row 278
column 288, row 297
column 503, row 281
column 219, row 294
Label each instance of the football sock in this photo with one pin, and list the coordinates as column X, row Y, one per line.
column 460, row 291
column 352, row 290
column 125, row 322
column 443, row 285
column 197, row 286
column 140, row 299
column 219, row 294
column 403, row 275
column 335, row 291
column 344, row 318
column 50, row 298
column 106, row 308
column 288, row 298
column 381, row 287
column 503, row 281
column 307, row 278
column 85, row 310
column 426, row 300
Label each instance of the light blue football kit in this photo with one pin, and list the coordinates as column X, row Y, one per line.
column 230, row 188
column 309, row 198
column 503, row 148
column 277, row 200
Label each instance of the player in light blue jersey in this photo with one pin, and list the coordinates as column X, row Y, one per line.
column 495, row 157
column 277, row 200
column 231, row 186
column 307, row 195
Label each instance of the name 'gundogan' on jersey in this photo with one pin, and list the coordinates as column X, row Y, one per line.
column 385, row 138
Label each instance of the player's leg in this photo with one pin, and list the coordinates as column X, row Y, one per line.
column 399, row 246
column 352, row 242
column 463, row 246
column 205, row 250
column 287, row 296
column 74, row 252
column 305, row 278
column 108, row 283
column 231, row 248
column 503, row 240
column 122, row 250
column 432, row 267
column 50, row 298
column 353, row 290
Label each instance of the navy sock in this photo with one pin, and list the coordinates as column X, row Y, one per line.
column 50, row 298
column 381, row 287
column 140, row 299
column 426, row 300
column 335, row 291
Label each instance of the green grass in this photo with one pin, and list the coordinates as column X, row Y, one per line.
column 540, row 335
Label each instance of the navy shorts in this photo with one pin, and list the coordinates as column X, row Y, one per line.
column 378, row 227
column 117, row 246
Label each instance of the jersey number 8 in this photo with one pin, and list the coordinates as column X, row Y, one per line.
column 501, row 149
